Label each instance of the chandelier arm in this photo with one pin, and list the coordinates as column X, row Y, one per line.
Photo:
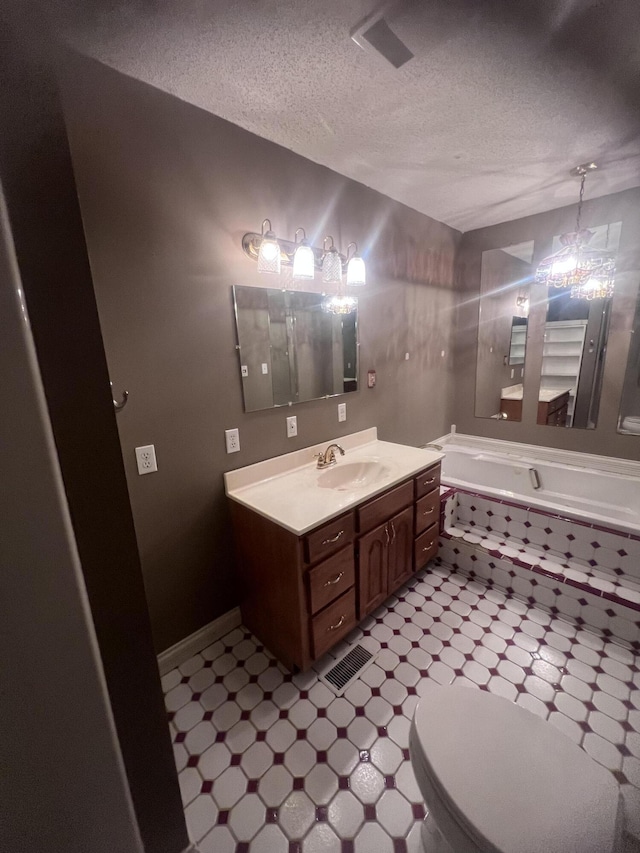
column 580, row 203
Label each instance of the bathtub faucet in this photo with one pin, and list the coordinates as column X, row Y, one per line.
column 535, row 478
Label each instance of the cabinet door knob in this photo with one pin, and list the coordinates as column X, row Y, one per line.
column 393, row 531
column 335, row 580
column 386, row 530
column 335, row 538
column 337, row 625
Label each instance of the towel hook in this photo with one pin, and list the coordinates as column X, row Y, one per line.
column 123, row 402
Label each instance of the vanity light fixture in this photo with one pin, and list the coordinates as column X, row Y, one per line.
column 272, row 253
column 356, row 273
column 522, row 306
column 590, row 273
column 269, row 252
column 331, row 264
column 303, row 258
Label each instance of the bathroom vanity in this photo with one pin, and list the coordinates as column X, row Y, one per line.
column 318, row 550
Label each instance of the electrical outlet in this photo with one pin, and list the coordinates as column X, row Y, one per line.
column 146, row 459
column 232, row 439
column 292, row 426
column 342, row 412
column 244, row 370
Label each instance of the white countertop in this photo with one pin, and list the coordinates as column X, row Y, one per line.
column 545, row 395
column 285, row 489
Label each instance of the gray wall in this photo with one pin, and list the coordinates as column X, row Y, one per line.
column 541, row 228
column 166, row 192
column 64, row 785
column 51, row 257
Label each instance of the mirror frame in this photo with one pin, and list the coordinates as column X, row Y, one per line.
column 239, row 350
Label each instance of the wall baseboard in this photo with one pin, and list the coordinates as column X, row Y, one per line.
column 200, row 639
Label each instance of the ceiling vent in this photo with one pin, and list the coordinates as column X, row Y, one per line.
column 373, row 33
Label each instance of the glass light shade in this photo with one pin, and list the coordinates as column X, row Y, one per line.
column 340, row 304
column 269, row 254
column 356, row 273
column 332, row 267
column 575, row 265
column 304, row 262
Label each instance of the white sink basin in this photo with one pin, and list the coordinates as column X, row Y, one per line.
column 353, row 475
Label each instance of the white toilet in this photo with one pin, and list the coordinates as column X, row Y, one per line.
column 498, row 779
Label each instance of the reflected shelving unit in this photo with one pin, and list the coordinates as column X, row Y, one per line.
column 562, row 358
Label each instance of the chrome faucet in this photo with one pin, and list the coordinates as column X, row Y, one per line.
column 328, row 457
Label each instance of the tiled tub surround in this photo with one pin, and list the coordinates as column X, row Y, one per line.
column 598, row 489
column 584, row 571
column 271, row 762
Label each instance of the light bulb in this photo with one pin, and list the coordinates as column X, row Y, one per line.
column 564, row 265
column 356, row 273
column 304, row 262
column 269, row 252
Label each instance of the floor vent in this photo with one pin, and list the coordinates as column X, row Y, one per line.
column 349, row 667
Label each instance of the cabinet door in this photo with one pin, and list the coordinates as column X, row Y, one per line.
column 400, row 548
column 372, row 569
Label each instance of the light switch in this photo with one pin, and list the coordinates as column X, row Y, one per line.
column 265, row 367
column 292, row 426
column 342, row 412
column 244, row 370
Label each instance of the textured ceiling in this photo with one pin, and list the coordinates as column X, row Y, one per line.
column 501, row 99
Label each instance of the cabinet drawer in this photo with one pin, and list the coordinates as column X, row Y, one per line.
column 331, row 578
column 427, row 510
column 425, row 547
column 332, row 623
column 383, row 507
column 329, row 538
column 427, row 480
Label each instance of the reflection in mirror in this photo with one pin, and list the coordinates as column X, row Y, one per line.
column 574, row 349
column 291, row 350
column 629, row 415
column 502, row 331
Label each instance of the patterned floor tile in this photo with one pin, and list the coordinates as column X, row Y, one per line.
column 271, row 762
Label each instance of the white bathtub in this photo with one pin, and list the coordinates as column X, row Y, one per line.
column 608, row 498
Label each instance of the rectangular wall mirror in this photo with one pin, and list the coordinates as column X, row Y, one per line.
column 290, row 349
column 502, row 331
column 629, row 415
column 574, row 348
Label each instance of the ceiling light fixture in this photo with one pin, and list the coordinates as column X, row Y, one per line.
column 269, row 252
column 356, row 272
column 340, row 304
column 303, row 258
column 590, row 273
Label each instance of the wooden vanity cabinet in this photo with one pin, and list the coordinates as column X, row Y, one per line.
column 555, row 412
column 385, row 560
column 302, row 594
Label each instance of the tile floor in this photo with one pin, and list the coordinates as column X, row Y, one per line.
column 274, row 763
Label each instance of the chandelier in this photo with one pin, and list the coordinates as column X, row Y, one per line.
column 590, row 273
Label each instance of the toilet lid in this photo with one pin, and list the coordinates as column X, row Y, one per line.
column 512, row 781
